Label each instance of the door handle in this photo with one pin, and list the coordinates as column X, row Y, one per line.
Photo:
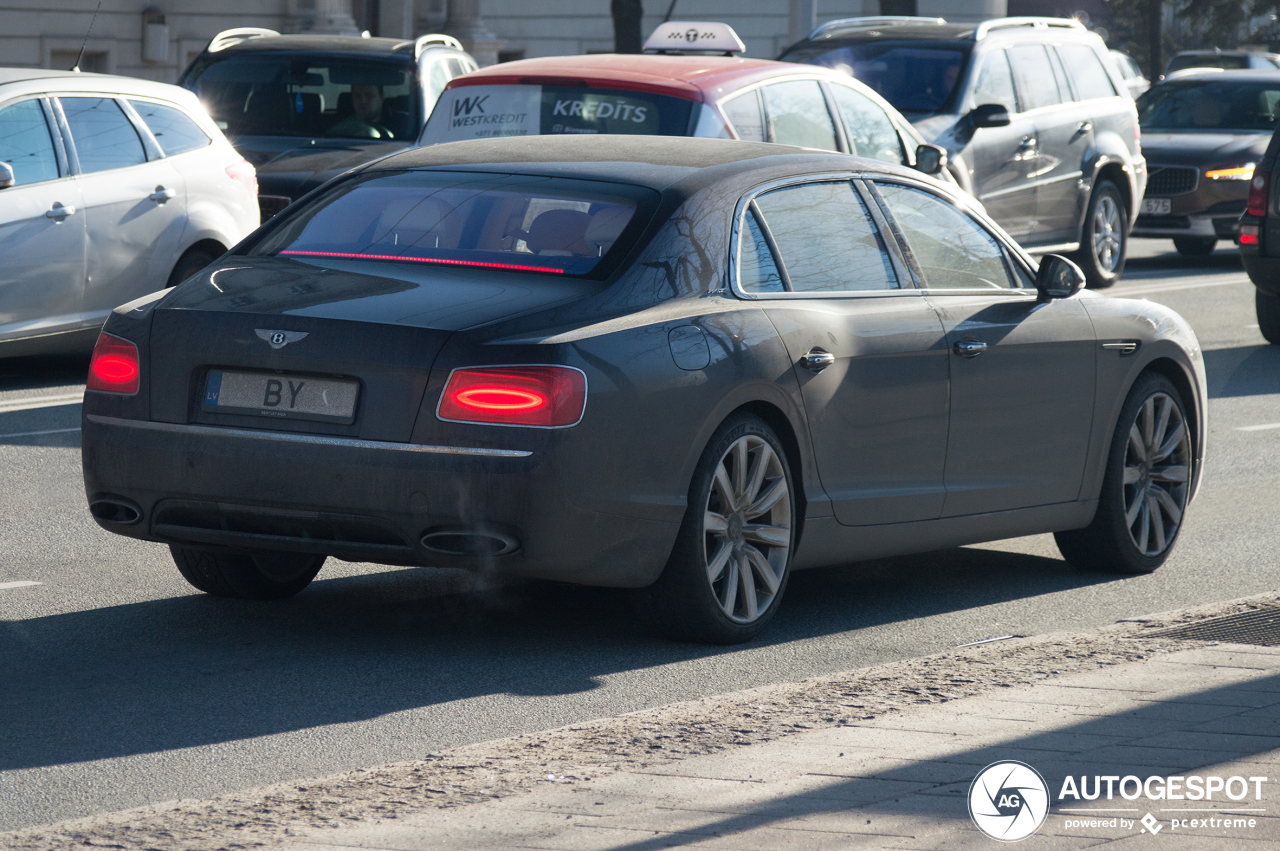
column 969, row 348
column 1085, row 127
column 161, row 195
column 59, row 211
column 1026, row 150
column 816, row 360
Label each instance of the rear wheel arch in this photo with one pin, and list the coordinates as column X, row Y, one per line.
column 196, row 257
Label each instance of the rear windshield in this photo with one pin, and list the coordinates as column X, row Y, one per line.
column 493, row 221
column 282, row 95
column 484, row 112
column 914, row 76
column 1210, row 106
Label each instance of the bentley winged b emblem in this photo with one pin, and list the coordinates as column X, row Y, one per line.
column 279, row 339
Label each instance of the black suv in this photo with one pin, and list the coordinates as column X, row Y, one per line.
column 304, row 108
column 1036, row 120
column 1260, row 239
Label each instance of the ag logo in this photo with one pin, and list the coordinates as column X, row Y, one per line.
column 1008, row 800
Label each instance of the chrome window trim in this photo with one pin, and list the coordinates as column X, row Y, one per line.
column 313, row 439
column 852, row 178
column 586, row 392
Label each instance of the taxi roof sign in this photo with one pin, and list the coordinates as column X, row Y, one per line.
column 691, row 36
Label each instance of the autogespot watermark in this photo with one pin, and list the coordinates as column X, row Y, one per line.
column 1010, row 800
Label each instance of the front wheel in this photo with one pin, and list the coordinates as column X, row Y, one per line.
column 264, row 576
column 1145, row 488
column 728, row 570
column 1104, row 237
column 1268, row 308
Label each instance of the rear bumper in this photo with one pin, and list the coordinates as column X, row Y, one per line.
column 359, row 500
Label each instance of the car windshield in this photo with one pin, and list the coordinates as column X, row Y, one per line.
column 1210, row 106
column 492, row 221
column 283, row 95
column 914, row 76
column 485, row 112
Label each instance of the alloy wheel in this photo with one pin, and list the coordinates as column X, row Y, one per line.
column 1157, row 471
column 1107, row 234
column 747, row 529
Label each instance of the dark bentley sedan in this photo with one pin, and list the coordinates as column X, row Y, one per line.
column 681, row 366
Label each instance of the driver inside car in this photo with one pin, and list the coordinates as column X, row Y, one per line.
column 365, row 120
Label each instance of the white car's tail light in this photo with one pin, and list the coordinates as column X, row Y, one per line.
column 546, row 396
column 114, row 367
column 244, row 172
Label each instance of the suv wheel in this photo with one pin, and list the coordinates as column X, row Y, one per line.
column 1195, row 246
column 1104, row 238
column 1268, row 307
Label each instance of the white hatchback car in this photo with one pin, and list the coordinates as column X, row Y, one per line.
column 110, row 188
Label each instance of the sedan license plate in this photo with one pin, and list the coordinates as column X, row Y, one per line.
column 298, row 397
column 1155, row 206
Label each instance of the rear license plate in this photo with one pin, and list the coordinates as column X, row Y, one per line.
column 1155, row 206
column 297, row 397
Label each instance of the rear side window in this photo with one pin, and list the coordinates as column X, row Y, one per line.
column 744, row 114
column 827, row 239
column 103, row 136
column 757, row 268
column 1088, row 77
column 951, row 249
column 485, row 112
column 457, row 219
column 173, row 128
column 1037, row 85
column 995, row 82
column 25, row 143
column 871, row 133
column 797, row 115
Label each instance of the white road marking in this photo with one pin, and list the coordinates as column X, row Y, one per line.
column 1164, row 288
column 1258, row 427
column 34, row 433
column 23, row 583
column 1252, row 326
column 30, row 403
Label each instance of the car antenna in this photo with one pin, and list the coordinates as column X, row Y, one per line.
column 670, row 11
column 85, row 43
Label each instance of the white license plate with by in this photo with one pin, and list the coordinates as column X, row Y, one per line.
column 299, row 397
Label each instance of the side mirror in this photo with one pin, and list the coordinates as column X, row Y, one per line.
column 989, row 115
column 6, row 176
column 931, row 159
column 1058, row 277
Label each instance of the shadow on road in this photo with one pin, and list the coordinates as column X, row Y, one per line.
column 1175, row 266
column 1243, row 371
column 196, row 670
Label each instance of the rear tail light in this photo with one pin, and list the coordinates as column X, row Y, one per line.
column 546, row 396
column 245, row 173
column 1248, row 234
column 1259, row 193
column 114, row 367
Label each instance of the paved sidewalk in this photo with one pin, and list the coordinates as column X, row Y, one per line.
column 902, row 780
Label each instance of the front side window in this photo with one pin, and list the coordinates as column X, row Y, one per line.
column 1037, row 85
column 486, row 112
column 282, row 95
column 871, row 133
column 827, row 239
column 995, row 82
column 174, row 130
column 1210, row 107
column 25, row 143
column 952, row 250
column 104, row 137
column 1088, row 77
column 459, row 219
column 916, row 77
column 797, row 115
column 743, row 112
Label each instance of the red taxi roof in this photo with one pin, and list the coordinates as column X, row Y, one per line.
column 699, row 78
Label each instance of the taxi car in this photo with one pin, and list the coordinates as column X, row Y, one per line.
column 685, row 367
column 689, row 82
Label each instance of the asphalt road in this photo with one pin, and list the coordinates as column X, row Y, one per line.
column 120, row 685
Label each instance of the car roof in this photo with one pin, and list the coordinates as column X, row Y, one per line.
column 307, row 43
column 693, row 77
column 653, row 161
column 1222, row 53
column 25, row 80
column 934, row 31
column 1234, row 75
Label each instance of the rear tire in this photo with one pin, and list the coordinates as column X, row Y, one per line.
column 265, row 576
column 192, row 261
column 1104, row 238
column 1145, row 488
column 729, row 567
column 1268, row 309
column 1195, row 246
